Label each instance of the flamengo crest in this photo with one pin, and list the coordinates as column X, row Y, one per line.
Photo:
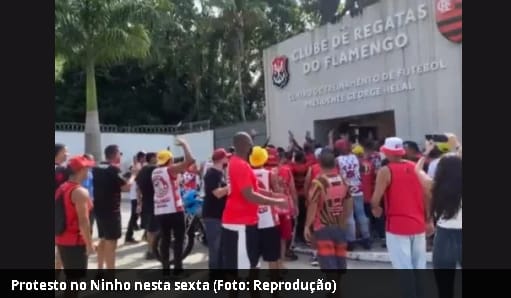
column 449, row 19
column 280, row 73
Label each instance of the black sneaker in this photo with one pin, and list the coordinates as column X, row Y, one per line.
column 291, row 256
column 366, row 243
column 130, row 241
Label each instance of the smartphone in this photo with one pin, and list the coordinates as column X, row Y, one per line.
column 437, row 138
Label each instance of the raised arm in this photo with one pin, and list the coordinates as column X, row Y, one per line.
column 180, row 167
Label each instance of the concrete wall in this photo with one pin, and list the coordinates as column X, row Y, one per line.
column 201, row 143
column 433, row 103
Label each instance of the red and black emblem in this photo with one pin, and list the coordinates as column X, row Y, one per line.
column 449, row 19
column 280, row 73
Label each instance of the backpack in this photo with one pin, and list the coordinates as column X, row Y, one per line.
column 60, row 212
column 61, row 176
column 60, row 208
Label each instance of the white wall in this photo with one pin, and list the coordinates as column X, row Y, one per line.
column 201, row 143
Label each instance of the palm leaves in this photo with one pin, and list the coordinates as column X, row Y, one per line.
column 95, row 32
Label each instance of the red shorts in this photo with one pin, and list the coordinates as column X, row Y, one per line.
column 285, row 227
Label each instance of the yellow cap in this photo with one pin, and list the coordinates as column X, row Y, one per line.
column 163, row 157
column 357, row 150
column 258, row 157
column 443, row 147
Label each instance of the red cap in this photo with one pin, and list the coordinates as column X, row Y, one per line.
column 342, row 145
column 219, row 154
column 79, row 162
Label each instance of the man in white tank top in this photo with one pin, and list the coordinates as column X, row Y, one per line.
column 168, row 205
column 268, row 223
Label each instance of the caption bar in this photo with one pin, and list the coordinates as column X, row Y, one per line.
column 217, row 286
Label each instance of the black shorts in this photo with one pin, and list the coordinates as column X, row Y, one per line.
column 150, row 222
column 244, row 237
column 269, row 244
column 109, row 227
column 74, row 260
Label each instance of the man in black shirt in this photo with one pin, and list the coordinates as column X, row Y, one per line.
column 216, row 191
column 108, row 185
column 145, row 201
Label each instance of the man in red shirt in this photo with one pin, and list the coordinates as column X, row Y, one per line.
column 404, row 206
column 239, row 237
column 300, row 168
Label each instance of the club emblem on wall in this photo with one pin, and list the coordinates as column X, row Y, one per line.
column 449, row 19
column 280, row 73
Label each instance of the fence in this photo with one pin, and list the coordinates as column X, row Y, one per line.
column 181, row 128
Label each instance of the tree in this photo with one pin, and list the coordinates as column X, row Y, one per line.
column 59, row 65
column 99, row 32
column 192, row 72
column 235, row 17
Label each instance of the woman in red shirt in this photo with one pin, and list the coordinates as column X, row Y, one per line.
column 74, row 243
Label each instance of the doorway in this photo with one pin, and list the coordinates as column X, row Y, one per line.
column 361, row 128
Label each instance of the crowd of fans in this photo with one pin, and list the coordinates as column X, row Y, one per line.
column 264, row 203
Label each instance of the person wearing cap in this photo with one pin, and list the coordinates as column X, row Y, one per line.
column 240, row 234
column 405, row 209
column 439, row 150
column 108, row 184
column 215, row 194
column 168, row 204
column 349, row 166
column 75, row 242
column 268, row 223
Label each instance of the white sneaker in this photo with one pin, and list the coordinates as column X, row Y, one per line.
column 314, row 261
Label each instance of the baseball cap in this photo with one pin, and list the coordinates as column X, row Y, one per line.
column 393, row 146
column 444, row 147
column 79, row 162
column 258, row 157
column 163, row 156
column 342, row 144
column 357, row 150
column 219, row 154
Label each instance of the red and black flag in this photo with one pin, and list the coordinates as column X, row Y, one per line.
column 449, row 19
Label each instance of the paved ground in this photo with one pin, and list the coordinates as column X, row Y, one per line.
column 132, row 256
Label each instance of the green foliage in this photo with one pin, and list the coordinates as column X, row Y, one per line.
column 165, row 61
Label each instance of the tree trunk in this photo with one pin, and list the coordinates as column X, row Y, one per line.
column 239, row 69
column 92, row 130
